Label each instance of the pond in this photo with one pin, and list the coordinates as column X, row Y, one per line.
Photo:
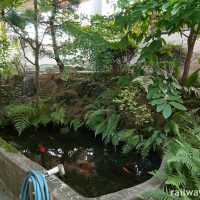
column 92, row 168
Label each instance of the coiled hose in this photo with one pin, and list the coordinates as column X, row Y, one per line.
column 41, row 191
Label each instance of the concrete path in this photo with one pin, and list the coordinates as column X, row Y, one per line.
column 4, row 195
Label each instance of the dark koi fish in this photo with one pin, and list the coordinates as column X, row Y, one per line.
column 41, row 148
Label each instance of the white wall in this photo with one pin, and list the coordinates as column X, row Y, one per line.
column 93, row 7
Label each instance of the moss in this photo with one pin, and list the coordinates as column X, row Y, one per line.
column 4, row 145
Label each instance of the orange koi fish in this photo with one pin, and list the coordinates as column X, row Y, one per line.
column 126, row 170
column 41, row 148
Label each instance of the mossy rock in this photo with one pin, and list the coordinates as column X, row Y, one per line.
column 8, row 148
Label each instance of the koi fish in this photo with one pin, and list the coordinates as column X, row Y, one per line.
column 41, row 148
column 126, row 170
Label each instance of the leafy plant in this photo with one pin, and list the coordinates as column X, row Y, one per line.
column 182, row 159
column 34, row 114
column 171, row 52
column 20, row 116
column 158, row 16
column 165, row 95
column 190, row 81
column 133, row 106
column 106, row 122
column 76, row 124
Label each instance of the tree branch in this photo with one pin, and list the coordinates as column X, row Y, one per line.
column 184, row 34
column 25, row 53
column 40, row 43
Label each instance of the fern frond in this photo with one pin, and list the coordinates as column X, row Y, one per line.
column 14, row 110
column 100, row 128
column 178, row 180
column 58, row 116
column 44, row 119
column 112, row 124
column 21, row 122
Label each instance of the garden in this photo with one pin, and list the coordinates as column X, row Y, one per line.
column 118, row 100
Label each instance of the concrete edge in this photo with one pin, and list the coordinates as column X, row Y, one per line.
column 15, row 165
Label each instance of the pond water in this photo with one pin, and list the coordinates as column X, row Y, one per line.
column 92, row 168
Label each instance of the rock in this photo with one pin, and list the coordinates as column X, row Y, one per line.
column 70, row 96
column 64, row 130
column 50, row 82
column 14, row 80
column 29, row 85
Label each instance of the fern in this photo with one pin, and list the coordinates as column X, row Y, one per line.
column 20, row 116
column 183, row 158
column 43, row 119
column 21, row 123
column 176, row 180
column 93, row 118
column 76, row 124
column 97, row 121
column 192, row 90
column 112, row 125
column 192, row 78
column 14, row 110
column 40, row 112
column 58, row 116
column 100, row 128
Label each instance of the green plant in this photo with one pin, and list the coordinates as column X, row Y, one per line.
column 133, row 106
column 182, row 159
column 165, row 95
column 171, row 52
column 96, row 120
column 76, row 124
column 182, row 171
column 20, row 116
column 106, row 122
column 103, row 44
column 190, row 81
column 42, row 112
column 58, row 116
column 158, row 16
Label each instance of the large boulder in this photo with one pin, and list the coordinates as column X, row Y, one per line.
column 29, row 85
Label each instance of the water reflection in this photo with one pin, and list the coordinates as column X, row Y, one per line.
column 80, row 160
column 92, row 168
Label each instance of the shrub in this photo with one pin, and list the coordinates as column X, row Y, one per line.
column 132, row 103
column 171, row 52
column 42, row 112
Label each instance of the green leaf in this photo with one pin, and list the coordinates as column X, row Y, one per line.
column 161, row 107
column 159, row 141
column 177, row 105
column 173, row 97
column 158, row 101
column 100, row 128
column 192, row 78
column 167, row 111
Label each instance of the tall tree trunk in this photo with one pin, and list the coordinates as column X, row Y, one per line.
column 37, row 46
column 190, row 42
column 53, row 37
